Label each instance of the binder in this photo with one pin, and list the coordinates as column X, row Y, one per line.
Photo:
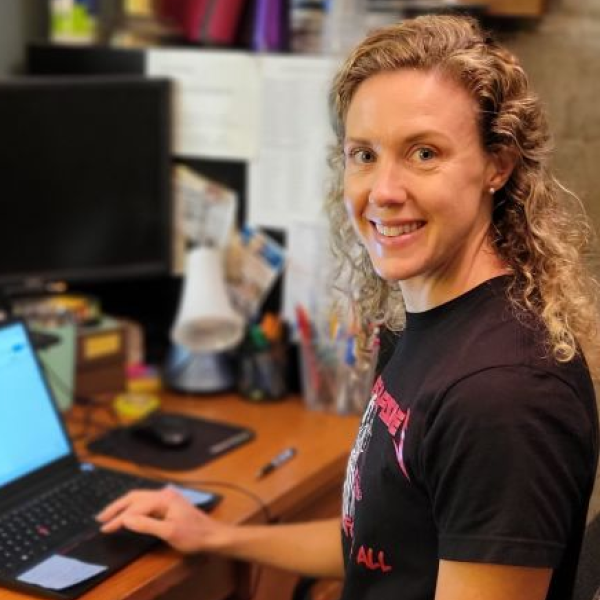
column 210, row 22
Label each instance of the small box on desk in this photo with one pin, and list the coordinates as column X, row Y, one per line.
column 101, row 358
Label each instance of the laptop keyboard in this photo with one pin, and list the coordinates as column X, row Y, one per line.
column 37, row 527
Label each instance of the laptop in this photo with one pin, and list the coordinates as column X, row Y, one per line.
column 50, row 544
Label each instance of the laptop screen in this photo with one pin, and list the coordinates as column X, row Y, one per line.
column 31, row 433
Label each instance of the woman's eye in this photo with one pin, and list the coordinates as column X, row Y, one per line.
column 425, row 154
column 362, row 155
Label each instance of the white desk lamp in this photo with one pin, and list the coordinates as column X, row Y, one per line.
column 206, row 321
column 206, row 330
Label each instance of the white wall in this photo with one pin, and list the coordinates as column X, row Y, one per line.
column 562, row 57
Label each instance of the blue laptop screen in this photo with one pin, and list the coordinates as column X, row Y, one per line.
column 31, row 434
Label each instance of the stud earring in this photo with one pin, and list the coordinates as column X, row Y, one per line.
column 492, row 191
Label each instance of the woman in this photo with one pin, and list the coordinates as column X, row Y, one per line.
column 474, row 463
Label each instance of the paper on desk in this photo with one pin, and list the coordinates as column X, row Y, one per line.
column 215, row 101
column 307, row 275
column 59, row 572
column 287, row 179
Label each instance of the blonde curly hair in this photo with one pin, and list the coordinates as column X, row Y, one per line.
column 539, row 228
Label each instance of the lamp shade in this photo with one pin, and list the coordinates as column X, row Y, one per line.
column 206, row 320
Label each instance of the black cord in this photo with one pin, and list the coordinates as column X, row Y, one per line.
column 87, row 424
column 153, row 474
column 68, row 389
column 84, row 401
column 268, row 518
column 264, row 509
column 89, row 403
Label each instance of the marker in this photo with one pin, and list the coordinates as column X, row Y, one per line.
column 276, row 462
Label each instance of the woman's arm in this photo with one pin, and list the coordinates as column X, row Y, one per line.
column 479, row 581
column 312, row 549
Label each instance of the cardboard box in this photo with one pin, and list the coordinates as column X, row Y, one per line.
column 101, row 358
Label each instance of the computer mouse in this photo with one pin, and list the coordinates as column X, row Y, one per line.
column 164, row 430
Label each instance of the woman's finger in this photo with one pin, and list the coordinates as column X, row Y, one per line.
column 138, row 501
column 114, row 508
column 148, row 525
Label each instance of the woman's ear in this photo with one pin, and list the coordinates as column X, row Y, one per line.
column 503, row 162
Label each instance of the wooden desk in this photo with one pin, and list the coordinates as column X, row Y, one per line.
column 309, row 486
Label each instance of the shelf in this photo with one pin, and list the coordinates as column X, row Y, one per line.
column 517, row 8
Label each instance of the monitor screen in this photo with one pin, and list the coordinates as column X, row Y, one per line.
column 85, row 192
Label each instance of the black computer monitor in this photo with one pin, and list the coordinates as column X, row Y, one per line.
column 85, row 192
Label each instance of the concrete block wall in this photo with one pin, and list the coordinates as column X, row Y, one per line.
column 562, row 56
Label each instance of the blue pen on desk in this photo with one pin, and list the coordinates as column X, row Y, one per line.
column 276, row 462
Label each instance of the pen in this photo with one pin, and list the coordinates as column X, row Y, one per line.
column 276, row 462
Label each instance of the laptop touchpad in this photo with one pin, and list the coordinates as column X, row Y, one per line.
column 112, row 550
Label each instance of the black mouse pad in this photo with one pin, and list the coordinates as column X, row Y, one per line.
column 210, row 439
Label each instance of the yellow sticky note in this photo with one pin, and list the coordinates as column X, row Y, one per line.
column 102, row 345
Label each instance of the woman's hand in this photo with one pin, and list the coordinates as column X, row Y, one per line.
column 167, row 515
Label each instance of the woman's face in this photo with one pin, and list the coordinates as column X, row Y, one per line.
column 416, row 178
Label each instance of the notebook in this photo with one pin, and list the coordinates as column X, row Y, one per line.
column 49, row 540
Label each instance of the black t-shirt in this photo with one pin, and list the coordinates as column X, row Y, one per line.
column 477, row 446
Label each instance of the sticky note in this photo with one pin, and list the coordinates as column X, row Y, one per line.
column 59, row 572
column 101, row 345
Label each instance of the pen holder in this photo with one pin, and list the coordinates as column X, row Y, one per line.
column 319, row 375
column 262, row 372
column 334, row 379
column 354, row 384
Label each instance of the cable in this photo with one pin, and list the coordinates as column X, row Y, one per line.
column 88, row 403
column 152, row 473
column 88, row 422
column 264, row 509
column 84, row 401
column 67, row 388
